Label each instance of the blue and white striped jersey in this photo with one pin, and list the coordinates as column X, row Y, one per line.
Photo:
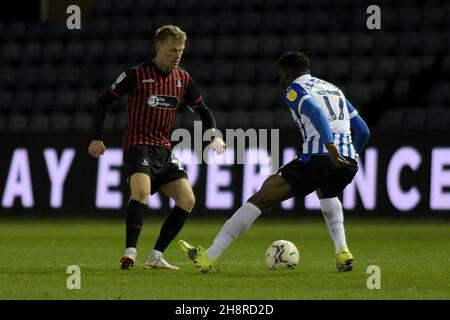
column 331, row 100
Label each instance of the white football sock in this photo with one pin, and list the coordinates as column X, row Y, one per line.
column 241, row 220
column 334, row 217
column 130, row 251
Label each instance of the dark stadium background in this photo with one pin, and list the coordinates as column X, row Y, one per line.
column 398, row 77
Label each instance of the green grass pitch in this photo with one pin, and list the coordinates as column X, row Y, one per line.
column 414, row 258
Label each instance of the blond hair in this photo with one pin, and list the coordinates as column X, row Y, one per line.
column 167, row 31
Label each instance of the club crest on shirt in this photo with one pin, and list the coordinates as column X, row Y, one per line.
column 162, row 101
column 291, row 95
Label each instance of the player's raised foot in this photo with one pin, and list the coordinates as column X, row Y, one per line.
column 198, row 255
column 127, row 262
column 344, row 260
column 158, row 263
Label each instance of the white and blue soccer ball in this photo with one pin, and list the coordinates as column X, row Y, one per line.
column 282, row 254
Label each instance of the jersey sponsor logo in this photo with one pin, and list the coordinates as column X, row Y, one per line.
column 161, row 101
column 291, row 95
column 148, row 81
column 179, row 84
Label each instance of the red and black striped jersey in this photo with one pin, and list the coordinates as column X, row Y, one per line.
column 153, row 98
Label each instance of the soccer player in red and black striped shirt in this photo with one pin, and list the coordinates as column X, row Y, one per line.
column 155, row 89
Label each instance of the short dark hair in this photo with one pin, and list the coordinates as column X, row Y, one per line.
column 294, row 61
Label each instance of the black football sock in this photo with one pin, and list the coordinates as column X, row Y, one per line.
column 171, row 228
column 133, row 222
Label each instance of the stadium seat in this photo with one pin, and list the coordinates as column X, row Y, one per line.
column 266, row 97
column 11, row 52
column 283, row 119
column 145, row 7
column 16, row 31
column 17, row 122
column 82, row 121
column 65, row 100
column 39, row 122
column 440, row 94
column 338, row 44
column 438, row 118
column 410, row 18
column 52, row 52
column 361, row 43
column 239, row 119
column 337, row 69
column 414, row 119
column 31, row 52
column 3, row 123
column 86, row 98
column 124, row 8
column 75, row 51
column 431, row 42
column 316, row 44
column 139, row 49
column 249, row 22
column 273, row 23
column 48, row 75
column 201, row 47
column 224, row 72
column 8, row 77
column 226, row 47
column 59, row 121
column 245, row 72
column 116, row 50
column 248, row 47
column 220, row 97
column 266, row 71
column 263, row 119
column 22, row 101
column 95, row 50
column 69, row 75
column 5, row 101
column 200, row 71
column 270, row 47
column 103, row 7
column 391, row 119
column 228, row 24
column 360, row 68
column 43, row 100
column 242, row 97
column 207, row 23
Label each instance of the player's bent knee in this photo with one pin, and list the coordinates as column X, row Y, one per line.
column 258, row 200
column 140, row 194
column 187, row 203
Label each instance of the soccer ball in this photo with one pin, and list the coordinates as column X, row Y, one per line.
column 282, row 254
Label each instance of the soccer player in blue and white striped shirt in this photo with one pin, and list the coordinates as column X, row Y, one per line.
column 326, row 162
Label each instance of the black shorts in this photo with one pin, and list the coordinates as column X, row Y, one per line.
column 156, row 162
column 318, row 173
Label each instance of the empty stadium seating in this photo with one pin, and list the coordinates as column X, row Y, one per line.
column 50, row 76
